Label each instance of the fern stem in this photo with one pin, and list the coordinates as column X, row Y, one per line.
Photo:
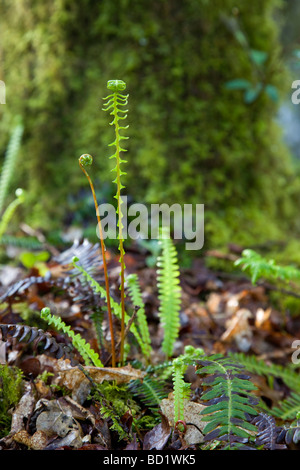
column 113, row 103
column 110, row 319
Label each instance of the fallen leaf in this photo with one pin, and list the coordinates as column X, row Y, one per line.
column 239, row 330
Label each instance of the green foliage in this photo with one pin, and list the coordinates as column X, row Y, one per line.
column 150, row 392
column 178, row 152
column 259, row 267
column 101, row 291
column 10, row 161
column 228, row 400
column 169, row 292
column 114, row 104
column 115, row 401
column 10, row 210
column 10, row 394
column 88, row 354
column 181, row 389
column 136, row 298
column 288, row 408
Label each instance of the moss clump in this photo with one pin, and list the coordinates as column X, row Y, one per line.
column 10, row 394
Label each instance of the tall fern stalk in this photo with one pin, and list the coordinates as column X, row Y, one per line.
column 84, row 162
column 113, row 102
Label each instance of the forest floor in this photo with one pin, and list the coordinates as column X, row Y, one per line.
column 221, row 312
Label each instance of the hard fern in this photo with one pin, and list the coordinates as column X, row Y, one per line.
column 88, row 354
column 181, row 389
column 136, row 298
column 10, row 161
column 102, row 292
column 259, row 267
column 150, row 392
column 114, row 103
column 228, row 400
column 260, row 367
column 169, row 292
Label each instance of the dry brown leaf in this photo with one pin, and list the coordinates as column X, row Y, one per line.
column 38, row 441
column 239, row 330
column 158, row 437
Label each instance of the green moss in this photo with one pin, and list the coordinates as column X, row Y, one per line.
column 192, row 140
column 10, row 394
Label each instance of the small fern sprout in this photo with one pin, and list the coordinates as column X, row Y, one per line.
column 85, row 161
column 114, row 103
column 181, row 389
column 88, row 354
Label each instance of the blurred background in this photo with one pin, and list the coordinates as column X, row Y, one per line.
column 210, row 112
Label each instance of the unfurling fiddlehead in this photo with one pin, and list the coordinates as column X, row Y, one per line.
column 114, row 103
column 84, row 162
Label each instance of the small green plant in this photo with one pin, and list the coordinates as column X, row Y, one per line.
column 11, row 380
column 228, row 400
column 181, row 389
column 260, row 267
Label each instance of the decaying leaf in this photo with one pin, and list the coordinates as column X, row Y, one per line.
column 239, row 330
column 192, row 418
column 38, row 441
column 158, row 437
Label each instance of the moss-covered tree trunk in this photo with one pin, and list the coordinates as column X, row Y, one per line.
column 192, row 139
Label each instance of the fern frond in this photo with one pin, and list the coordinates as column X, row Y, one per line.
column 10, row 162
column 181, row 389
column 289, row 408
column 228, row 400
column 260, row 367
column 136, row 298
column 169, row 293
column 151, row 391
column 88, row 354
column 268, row 432
column 114, row 103
column 97, row 319
column 259, row 267
column 29, row 243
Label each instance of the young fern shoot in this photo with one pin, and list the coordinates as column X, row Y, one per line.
column 114, row 103
column 84, row 162
column 88, row 354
